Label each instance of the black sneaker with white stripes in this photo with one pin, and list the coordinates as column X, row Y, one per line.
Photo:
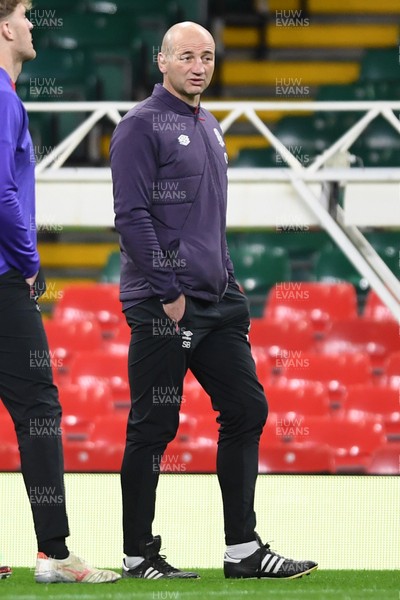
column 154, row 565
column 264, row 563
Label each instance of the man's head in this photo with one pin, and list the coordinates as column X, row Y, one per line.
column 187, row 61
column 15, row 34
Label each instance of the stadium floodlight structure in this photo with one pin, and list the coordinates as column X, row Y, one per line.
column 372, row 195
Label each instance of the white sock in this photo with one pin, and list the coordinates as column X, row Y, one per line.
column 242, row 550
column 133, row 561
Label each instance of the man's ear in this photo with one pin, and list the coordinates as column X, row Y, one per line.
column 5, row 30
column 162, row 62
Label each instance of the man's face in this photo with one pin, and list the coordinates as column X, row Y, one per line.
column 21, row 29
column 189, row 65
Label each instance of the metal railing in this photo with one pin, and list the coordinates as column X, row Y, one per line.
column 348, row 237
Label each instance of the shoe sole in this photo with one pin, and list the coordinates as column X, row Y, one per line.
column 157, row 578
column 49, row 578
column 55, row 582
column 296, row 576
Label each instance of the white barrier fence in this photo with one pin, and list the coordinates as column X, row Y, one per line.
column 341, row 521
column 262, row 197
column 361, row 207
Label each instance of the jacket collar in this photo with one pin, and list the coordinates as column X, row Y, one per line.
column 5, row 77
column 177, row 105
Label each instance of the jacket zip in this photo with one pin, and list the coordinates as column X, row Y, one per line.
column 214, row 176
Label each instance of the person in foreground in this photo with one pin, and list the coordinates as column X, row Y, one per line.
column 26, row 383
column 169, row 168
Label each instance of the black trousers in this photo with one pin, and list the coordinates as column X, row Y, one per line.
column 28, row 392
column 212, row 342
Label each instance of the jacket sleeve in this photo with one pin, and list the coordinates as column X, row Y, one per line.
column 134, row 166
column 16, row 245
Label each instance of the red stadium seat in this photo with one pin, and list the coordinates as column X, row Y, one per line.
column 335, row 370
column 196, row 405
column 105, row 448
column 9, row 453
column 320, row 303
column 378, row 339
column 392, row 370
column 195, row 400
column 194, row 448
column 353, row 441
column 7, row 430
column 91, row 401
column 375, row 309
column 110, row 430
column 76, row 427
column 263, row 364
column 89, row 368
column 375, row 400
column 80, row 406
column 281, row 337
column 187, row 427
column 86, row 456
column 206, row 427
column 92, row 394
column 78, row 455
column 195, row 456
column 307, row 457
column 9, row 458
column 66, row 338
column 91, row 302
column 385, row 460
column 119, row 343
column 307, row 398
column 280, row 429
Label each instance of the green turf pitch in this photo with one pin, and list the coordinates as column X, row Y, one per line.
column 320, row 585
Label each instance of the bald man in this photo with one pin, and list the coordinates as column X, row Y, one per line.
column 185, row 310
